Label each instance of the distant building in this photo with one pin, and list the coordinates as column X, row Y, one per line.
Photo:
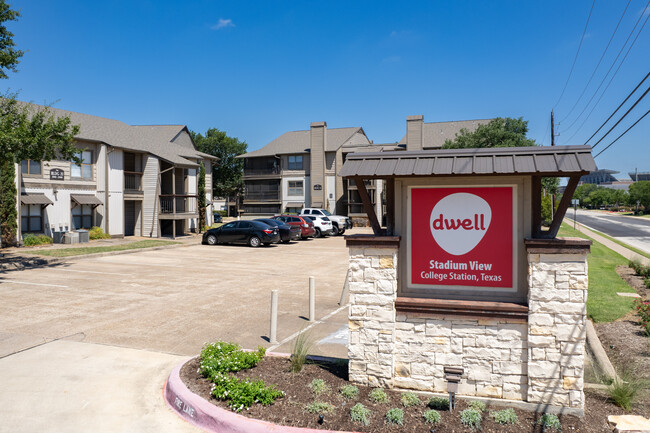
column 637, row 176
column 599, row 176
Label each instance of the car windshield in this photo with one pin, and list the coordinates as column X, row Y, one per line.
column 326, row 212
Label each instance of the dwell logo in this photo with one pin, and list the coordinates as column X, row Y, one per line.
column 459, row 222
column 461, row 236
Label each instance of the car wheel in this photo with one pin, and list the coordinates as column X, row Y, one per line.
column 335, row 230
column 318, row 233
column 254, row 241
column 286, row 241
column 212, row 240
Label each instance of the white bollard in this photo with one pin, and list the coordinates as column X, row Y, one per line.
column 312, row 299
column 273, row 334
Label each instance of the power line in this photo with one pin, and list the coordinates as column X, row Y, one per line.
column 618, row 108
column 599, row 62
column 578, row 52
column 633, row 125
column 614, row 63
column 619, row 120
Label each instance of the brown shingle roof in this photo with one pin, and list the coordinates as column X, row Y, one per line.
column 538, row 160
column 298, row 142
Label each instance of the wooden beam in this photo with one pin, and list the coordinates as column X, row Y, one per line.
column 562, row 207
column 367, row 206
column 536, row 205
column 390, row 206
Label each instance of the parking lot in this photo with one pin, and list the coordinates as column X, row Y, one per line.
column 175, row 300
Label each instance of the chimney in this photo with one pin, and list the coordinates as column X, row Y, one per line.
column 414, row 126
column 317, row 140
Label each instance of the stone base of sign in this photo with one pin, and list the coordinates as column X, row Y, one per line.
column 536, row 357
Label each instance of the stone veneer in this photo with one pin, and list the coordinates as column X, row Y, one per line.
column 539, row 360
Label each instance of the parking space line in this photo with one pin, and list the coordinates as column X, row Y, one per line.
column 3, row 280
column 90, row 272
column 136, row 264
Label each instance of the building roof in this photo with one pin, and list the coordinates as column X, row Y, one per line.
column 538, row 160
column 35, row 199
column 434, row 134
column 153, row 139
column 298, row 142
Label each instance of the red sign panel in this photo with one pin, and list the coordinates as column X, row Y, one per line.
column 462, row 236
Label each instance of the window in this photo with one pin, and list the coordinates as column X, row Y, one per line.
column 295, row 187
column 82, row 216
column 31, row 218
column 29, row 167
column 85, row 169
column 295, row 162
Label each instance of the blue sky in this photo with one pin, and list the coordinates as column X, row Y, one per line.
column 257, row 69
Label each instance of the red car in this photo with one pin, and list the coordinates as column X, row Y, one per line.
column 306, row 228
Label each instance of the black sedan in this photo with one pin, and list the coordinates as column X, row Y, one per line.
column 252, row 233
column 287, row 233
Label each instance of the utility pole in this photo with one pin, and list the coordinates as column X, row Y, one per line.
column 552, row 129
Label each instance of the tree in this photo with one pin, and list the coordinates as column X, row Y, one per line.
column 201, row 191
column 227, row 175
column 582, row 192
column 9, row 56
column 8, row 214
column 499, row 132
column 640, row 191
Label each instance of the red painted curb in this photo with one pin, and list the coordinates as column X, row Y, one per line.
column 207, row 416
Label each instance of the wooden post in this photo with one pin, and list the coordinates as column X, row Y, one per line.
column 390, row 206
column 367, row 206
column 536, row 202
column 563, row 206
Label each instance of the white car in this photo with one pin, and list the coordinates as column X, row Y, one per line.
column 339, row 223
column 322, row 225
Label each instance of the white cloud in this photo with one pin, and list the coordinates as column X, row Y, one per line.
column 222, row 24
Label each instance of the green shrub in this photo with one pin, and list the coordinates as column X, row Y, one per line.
column 395, row 416
column 299, row 350
column 471, row 418
column 505, row 416
column 31, row 240
column 319, row 407
column 223, row 357
column 478, row 405
column 241, row 394
column 431, row 416
column 409, row 399
column 318, row 386
column 550, row 421
column 643, row 310
column 97, row 233
column 360, row 414
column 439, row 403
column 624, row 391
column 378, row 395
column 349, row 391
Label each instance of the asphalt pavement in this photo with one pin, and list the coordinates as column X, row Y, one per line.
column 633, row 231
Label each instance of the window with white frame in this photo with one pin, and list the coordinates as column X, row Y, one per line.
column 295, row 162
column 85, row 169
column 82, row 217
column 30, row 167
column 295, row 188
column 31, row 218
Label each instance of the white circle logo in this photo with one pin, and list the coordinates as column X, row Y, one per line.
column 459, row 221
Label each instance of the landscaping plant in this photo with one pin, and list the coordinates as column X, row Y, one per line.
column 223, row 357
column 505, row 416
column 439, row 403
column 623, row 391
column 319, row 407
column 643, row 309
column 431, row 416
column 410, row 399
column 360, row 414
column 349, row 391
column 97, row 233
column 395, row 416
column 299, row 350
column 318, row 386
column 550, row 421
column 478, row 405
column 471, row 418
column 378, row 395
column 241, row 394
column 30, row 240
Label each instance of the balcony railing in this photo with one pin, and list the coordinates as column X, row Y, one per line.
column 261, row 171
column 262, row 195
column 178, row 203
column 132, row 181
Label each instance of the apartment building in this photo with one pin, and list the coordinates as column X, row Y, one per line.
column 132, row 181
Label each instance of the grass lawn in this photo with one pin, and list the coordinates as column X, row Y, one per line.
column 603, row 304
column 67, row 252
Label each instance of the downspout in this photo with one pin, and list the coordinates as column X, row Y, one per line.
column 106, row 195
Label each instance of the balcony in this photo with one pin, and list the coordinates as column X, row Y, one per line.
column 262, row 196
column 132, row 181
column 178, row 206
column 273, row 171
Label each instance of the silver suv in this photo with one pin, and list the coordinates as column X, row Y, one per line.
column 339, row 223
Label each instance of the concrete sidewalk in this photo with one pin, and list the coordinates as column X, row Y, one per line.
column 68, row 386
column 625, row 252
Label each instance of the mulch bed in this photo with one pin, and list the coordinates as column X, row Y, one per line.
column 290, row 410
